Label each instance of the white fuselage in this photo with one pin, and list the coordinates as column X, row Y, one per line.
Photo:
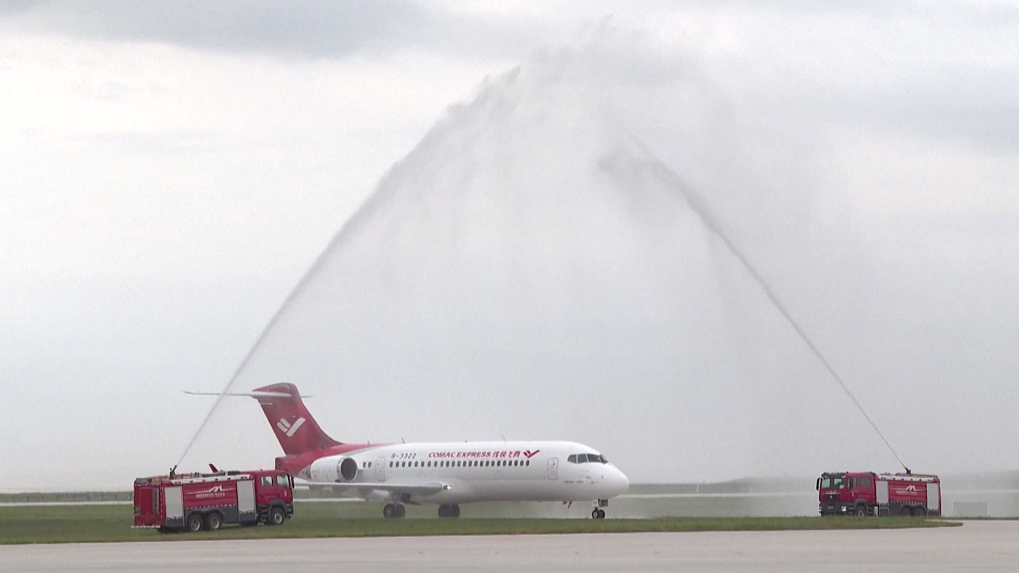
column 474, row 471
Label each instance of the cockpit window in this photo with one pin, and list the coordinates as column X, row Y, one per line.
column 587, row 458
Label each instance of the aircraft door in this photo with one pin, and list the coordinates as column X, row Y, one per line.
column 553, row 469
column 380, row 469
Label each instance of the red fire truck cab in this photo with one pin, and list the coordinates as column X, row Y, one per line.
column 869, row 493
column 192, row 502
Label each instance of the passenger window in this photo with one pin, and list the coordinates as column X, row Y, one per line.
column 528, row 462
column 390, row 464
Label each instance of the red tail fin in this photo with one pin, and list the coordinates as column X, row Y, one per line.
column 293, row 425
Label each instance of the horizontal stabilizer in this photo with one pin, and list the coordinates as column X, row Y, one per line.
column 247, row 394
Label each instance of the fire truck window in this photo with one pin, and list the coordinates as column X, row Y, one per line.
column 833, row 482
column 266, row 481
column 865, row 482
column 852, row 483
column 282, row 480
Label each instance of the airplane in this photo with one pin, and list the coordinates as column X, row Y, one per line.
column 446, row 474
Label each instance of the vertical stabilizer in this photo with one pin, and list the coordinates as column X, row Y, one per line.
column 295, row 428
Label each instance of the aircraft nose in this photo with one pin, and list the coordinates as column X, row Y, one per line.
column 618, row 481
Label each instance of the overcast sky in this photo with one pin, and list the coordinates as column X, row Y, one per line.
column 170, row 170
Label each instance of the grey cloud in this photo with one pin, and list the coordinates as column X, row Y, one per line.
column 309, row 27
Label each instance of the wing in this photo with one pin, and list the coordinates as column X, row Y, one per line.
column 424, row 488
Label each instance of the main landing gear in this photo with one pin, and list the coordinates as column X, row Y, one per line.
column 392, row 510
column 598, row 513
column 449, row 510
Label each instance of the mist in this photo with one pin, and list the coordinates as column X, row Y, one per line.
column 529, row 267
column 528, row 272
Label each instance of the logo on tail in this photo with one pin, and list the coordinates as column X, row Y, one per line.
column 288, row 428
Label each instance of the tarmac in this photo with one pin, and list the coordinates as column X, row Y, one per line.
column 977, row 545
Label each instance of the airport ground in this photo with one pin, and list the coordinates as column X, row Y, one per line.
column 975, row 546
column 106, row 523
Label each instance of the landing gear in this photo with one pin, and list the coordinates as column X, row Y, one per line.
column 598, row 513
column 394, row 510
column 449, row 510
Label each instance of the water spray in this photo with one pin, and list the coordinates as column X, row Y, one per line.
column 346, row 229
column 716, row 229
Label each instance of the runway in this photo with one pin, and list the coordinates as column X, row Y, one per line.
column 984, row 546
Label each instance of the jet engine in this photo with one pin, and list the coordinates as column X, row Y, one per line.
column 334, row 468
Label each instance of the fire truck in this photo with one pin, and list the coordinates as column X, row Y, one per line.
column 197, row 501
column 869, row 493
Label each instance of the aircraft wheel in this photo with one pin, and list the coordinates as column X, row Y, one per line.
column 597, row 514
column 454, row 510
column 389, row 511
column 443, row 511
column 401, row 510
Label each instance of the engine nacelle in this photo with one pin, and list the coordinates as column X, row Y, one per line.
column 334, row 468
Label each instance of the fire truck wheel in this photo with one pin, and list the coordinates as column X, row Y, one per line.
column 861, row 510
column 213, row 521
column 905, row 512
column 195, row 522
column 919, row 512
column 276, row 516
